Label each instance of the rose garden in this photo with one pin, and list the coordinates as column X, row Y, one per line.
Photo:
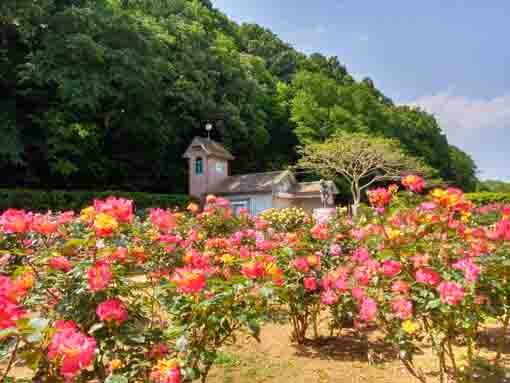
column 108, row 295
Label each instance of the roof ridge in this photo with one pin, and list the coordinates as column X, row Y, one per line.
column 211, row 147
column 247, row 174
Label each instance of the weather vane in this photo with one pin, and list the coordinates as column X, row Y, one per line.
column 208, row 128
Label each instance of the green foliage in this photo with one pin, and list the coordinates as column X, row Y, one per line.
column 325, row 100
column 285, row 220
column 109, row 93
column 40, row 200
column 361, row 159
column 486, row 198
column 463, row 170
column 158, row 297
column 494, row 186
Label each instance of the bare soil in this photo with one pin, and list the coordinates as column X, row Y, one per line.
column 337, row 359
column 332, row 359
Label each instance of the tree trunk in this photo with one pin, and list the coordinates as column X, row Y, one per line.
column 356, row 197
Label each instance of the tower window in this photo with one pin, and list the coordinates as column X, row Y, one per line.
column 199, row 166
column 220, row 167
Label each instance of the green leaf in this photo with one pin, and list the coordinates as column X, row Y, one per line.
column 116, row 379
column 96, row 327
column 7, row 332
column 181, row 343
column 39, row 323
column 433, row 304
column 266, row 292
column 254, row 328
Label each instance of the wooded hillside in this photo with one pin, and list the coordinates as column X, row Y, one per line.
column 108, row 94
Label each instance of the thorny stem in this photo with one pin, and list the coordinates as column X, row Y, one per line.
column 408, row 364
column 452, row 358
column 442, row 361
column 316, row 314
column 501, row 341
column 470, row 359
column 38, row 276
column 412, row 370
column 11, row 360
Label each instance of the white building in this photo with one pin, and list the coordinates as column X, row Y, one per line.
column 209, row 164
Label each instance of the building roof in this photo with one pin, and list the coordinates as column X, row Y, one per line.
column 211, row 147
column 263, row 183
column 312, row 188
column 247, row 183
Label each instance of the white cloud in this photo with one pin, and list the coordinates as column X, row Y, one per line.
column 480, row 127
column 458, row 113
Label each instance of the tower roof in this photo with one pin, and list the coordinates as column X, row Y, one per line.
column 247, row 183
column 212, row 148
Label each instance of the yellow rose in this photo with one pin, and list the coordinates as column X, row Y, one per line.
column 88, row 214
column 393, row 233
column 410, row 327
column 115, row 364
column 105, row 221
column 227, row 258
column 438, row 193
column 166, row 365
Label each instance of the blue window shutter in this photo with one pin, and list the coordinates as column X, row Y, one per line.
column 199, row 166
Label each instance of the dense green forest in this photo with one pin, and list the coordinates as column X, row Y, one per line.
column 494, row 186
column 108, row 94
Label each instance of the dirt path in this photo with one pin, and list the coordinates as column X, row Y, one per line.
column 276, row 360
column 333, row 360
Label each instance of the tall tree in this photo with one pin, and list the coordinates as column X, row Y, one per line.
column 462, row 169
column 359, row 158
column 108, row 94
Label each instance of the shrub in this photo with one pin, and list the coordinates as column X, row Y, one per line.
column 113, row 296
column 60, row 200
column 288, row 219
column 487, row 198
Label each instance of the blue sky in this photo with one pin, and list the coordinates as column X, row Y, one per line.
column 451, row 57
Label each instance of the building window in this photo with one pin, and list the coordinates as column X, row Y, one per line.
column 237, row 206
column 220, row 167
column 199, row 166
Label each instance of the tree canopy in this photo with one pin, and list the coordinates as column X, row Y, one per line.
column 359, row 158
column 108, row 94
column 494, row 186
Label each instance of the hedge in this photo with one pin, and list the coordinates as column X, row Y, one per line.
column 486, row 198
column 60, row 200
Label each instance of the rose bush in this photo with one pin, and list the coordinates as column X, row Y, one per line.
column 114, row 297
column 128, row 298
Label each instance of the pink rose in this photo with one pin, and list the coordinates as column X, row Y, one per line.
column 112, row 310
column 328, row 297
column 310, row 284
column 451, row 293
column 402, row 308
column 368, row 311
column 391, row 268
column 60, row 263
column 427, row 277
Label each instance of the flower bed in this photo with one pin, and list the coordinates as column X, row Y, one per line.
column 110, row 296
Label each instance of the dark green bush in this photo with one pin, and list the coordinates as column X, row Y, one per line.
column 59, row 200
column 486, row 198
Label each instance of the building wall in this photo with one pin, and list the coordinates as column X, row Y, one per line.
column 213, row 176
column 199, row 184
column 282, row 203
column 308, row 204
column 257, row 203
